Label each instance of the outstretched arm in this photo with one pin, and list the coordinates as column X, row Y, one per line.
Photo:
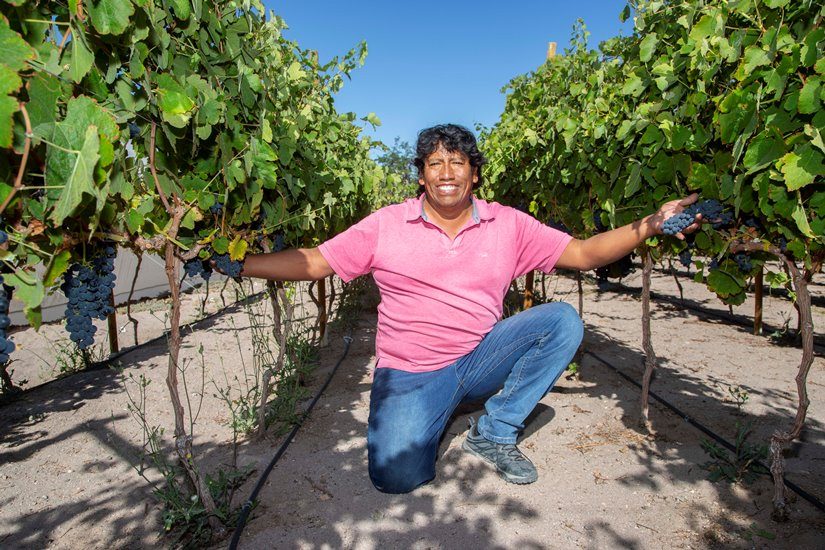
column 295, row 264
column 606, row 248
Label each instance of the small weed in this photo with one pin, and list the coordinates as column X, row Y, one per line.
column 754, row 531
column 70, row 359
column 738, row 395
column 741, row 465
column 573, row 370
column 184, row 517
column 783, row 335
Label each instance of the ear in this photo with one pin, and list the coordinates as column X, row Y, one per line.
column 475, row 174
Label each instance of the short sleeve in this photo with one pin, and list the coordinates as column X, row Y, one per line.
column 539, row 245
column 351, row 253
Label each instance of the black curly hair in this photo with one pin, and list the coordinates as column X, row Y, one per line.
column 453, row 138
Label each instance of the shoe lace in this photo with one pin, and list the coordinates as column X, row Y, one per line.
column 513, row 452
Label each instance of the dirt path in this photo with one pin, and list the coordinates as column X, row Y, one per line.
column 66, row 480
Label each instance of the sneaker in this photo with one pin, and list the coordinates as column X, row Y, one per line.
column 509, row 461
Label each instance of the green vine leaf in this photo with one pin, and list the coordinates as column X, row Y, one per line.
column 82, row 56
column 57, row 267
column 8, row 106
column 237, row 248
column 29, row 290
column 181, row 7
column 648, row 47
column 110, row 16
column 16, row 51
column 762, row 151
column 809, row 101
column 801, row 167
column 175, row 104
column 801, row 220
column 80, row 178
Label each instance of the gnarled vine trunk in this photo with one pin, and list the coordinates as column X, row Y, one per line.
column 283, row 313
column 183, row 439
column 780, row 439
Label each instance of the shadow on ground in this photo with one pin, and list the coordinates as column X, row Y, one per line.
column 319, row 495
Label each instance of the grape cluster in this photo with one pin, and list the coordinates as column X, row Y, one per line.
column 753, row 222
column 619, row 269
column 196, row 266
column 678, row 223
column 712, row 211
column 228, row 266
column 3, row 235
column 597, row 222
column 686, row 257
column 6, row 345
column 88, row 287
column 743, row 261
column 279, row 243
column 216, row 208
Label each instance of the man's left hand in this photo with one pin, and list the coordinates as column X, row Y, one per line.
column 671, row 208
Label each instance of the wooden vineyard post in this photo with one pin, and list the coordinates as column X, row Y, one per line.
column 112, row 320
column 551, row 50
column 322, row 311
column 581, row 292
column 529, row 283
column 650, row 356
column 757, row 298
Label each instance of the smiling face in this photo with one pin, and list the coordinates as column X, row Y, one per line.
column 448, row 179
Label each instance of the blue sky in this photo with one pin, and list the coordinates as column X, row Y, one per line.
column 431, row 62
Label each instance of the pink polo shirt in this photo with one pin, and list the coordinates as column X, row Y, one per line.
column 439, row 297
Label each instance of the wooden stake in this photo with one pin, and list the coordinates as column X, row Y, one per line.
column 551, row 50
column 322, row 310
column 650, row 356
column 112, row 320
column 528, row 289
column 757, row 298
column 581, row 292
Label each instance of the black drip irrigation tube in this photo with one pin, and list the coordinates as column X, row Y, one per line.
column 250, row 502
column 710, row 433
column 106, row 363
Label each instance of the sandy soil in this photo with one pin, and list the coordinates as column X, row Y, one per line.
column 67, row 447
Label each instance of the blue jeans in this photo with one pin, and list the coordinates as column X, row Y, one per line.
column 515, row 365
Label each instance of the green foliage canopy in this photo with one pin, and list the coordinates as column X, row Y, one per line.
column 719, row 97
column 231, row 111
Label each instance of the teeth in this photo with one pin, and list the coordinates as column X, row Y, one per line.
column 447, row 187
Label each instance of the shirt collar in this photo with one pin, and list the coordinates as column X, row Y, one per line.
column 481, row 210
